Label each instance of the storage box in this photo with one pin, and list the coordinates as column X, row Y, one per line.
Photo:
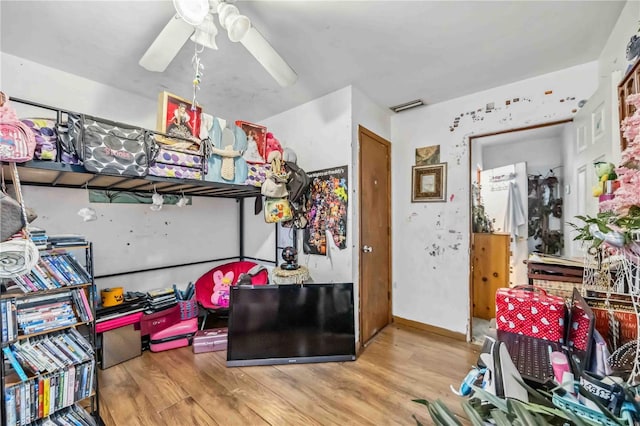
column 160, row 320
column 175, row 336
column 119, row 345
column 211, row 340
column 533, row 313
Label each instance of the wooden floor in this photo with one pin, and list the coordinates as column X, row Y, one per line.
column 178, row 387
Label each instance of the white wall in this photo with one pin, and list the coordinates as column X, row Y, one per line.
column 320, row 134
column 431, row 240
column 539, row 154
column 130, row 237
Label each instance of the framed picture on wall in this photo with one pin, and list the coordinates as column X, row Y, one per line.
column 597, row 123
column 178, row 117
column 429, row 183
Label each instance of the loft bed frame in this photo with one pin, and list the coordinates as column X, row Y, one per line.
column 61, row 175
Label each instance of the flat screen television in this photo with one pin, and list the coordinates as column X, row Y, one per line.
column 287, row 324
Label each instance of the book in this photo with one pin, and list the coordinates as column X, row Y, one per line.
column 82, row 271
column 87, row 305
column 3, row 311
column 14, row 363
column 10, row 405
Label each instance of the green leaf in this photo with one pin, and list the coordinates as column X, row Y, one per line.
column 475, row 418
column 516, row 407
column 421, row 401
column 501, row 418
column 446, row 413
column 499, row 403
column 540, row 397
column 441, row 414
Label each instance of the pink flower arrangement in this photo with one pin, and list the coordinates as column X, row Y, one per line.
column 628, row 193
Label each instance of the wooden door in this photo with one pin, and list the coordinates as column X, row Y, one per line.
column 375, row 234
column 490, row 265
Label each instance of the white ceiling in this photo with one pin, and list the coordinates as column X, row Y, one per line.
column 393, row 51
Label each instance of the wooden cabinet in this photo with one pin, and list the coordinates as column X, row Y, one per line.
column 490, row 269
column 628, row 86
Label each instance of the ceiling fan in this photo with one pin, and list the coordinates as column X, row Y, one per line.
column 195, row 20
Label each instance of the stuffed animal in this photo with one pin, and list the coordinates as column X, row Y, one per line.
column 221, row 283
column 273, row 150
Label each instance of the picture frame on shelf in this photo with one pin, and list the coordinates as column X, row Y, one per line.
column 429, row 183
column 179, row 117
column 256, row 142
column 597, row 123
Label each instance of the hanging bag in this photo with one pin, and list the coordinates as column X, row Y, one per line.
column 271, row 188
column 17, row 142
column 277, row 210
column 18, row 256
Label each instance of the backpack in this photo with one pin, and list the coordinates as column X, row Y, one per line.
column 298, row 182
column 17, row 141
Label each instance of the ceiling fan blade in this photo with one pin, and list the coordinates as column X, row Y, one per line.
column 167, row 45
column 269, row 58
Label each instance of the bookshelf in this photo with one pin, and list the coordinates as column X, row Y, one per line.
column 48, row 340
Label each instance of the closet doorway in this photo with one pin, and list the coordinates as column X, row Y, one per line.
column 375, row 233
column 517, row 195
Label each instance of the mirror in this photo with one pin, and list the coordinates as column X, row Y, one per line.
column 519, row 186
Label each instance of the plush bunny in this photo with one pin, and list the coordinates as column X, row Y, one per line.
column 273, row 150
column 221, row 283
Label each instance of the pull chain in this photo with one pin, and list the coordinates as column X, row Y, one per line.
column 197, row 68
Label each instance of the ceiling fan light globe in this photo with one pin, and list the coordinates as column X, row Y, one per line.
column 208, row 25
column 225, row 11
column 238, row 27
column 192, row 12
column 205, row 39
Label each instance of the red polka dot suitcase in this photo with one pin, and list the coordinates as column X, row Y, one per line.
column 530, row 311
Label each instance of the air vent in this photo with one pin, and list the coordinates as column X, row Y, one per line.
column 406, row 106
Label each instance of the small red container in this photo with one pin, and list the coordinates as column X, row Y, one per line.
column 159, row 320
column 211, row 340
column 530, row 311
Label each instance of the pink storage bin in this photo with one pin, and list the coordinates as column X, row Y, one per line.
column 176, row 336
column 211, row 340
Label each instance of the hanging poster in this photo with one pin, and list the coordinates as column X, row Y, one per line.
column 326, row 210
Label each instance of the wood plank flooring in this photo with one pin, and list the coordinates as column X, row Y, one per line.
column 179, row 387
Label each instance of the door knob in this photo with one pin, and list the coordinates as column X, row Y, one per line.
column 367, row 249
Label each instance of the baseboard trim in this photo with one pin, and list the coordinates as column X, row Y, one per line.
column 430, row 328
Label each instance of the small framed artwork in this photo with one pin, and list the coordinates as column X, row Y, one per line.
column 581, row 138
column 428, row 155
column 597, row 123
column 429, row 183
column 180, row 118
column 256, row 142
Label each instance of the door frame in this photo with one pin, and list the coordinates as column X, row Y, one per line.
column 470, row 168
column 362, row 130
